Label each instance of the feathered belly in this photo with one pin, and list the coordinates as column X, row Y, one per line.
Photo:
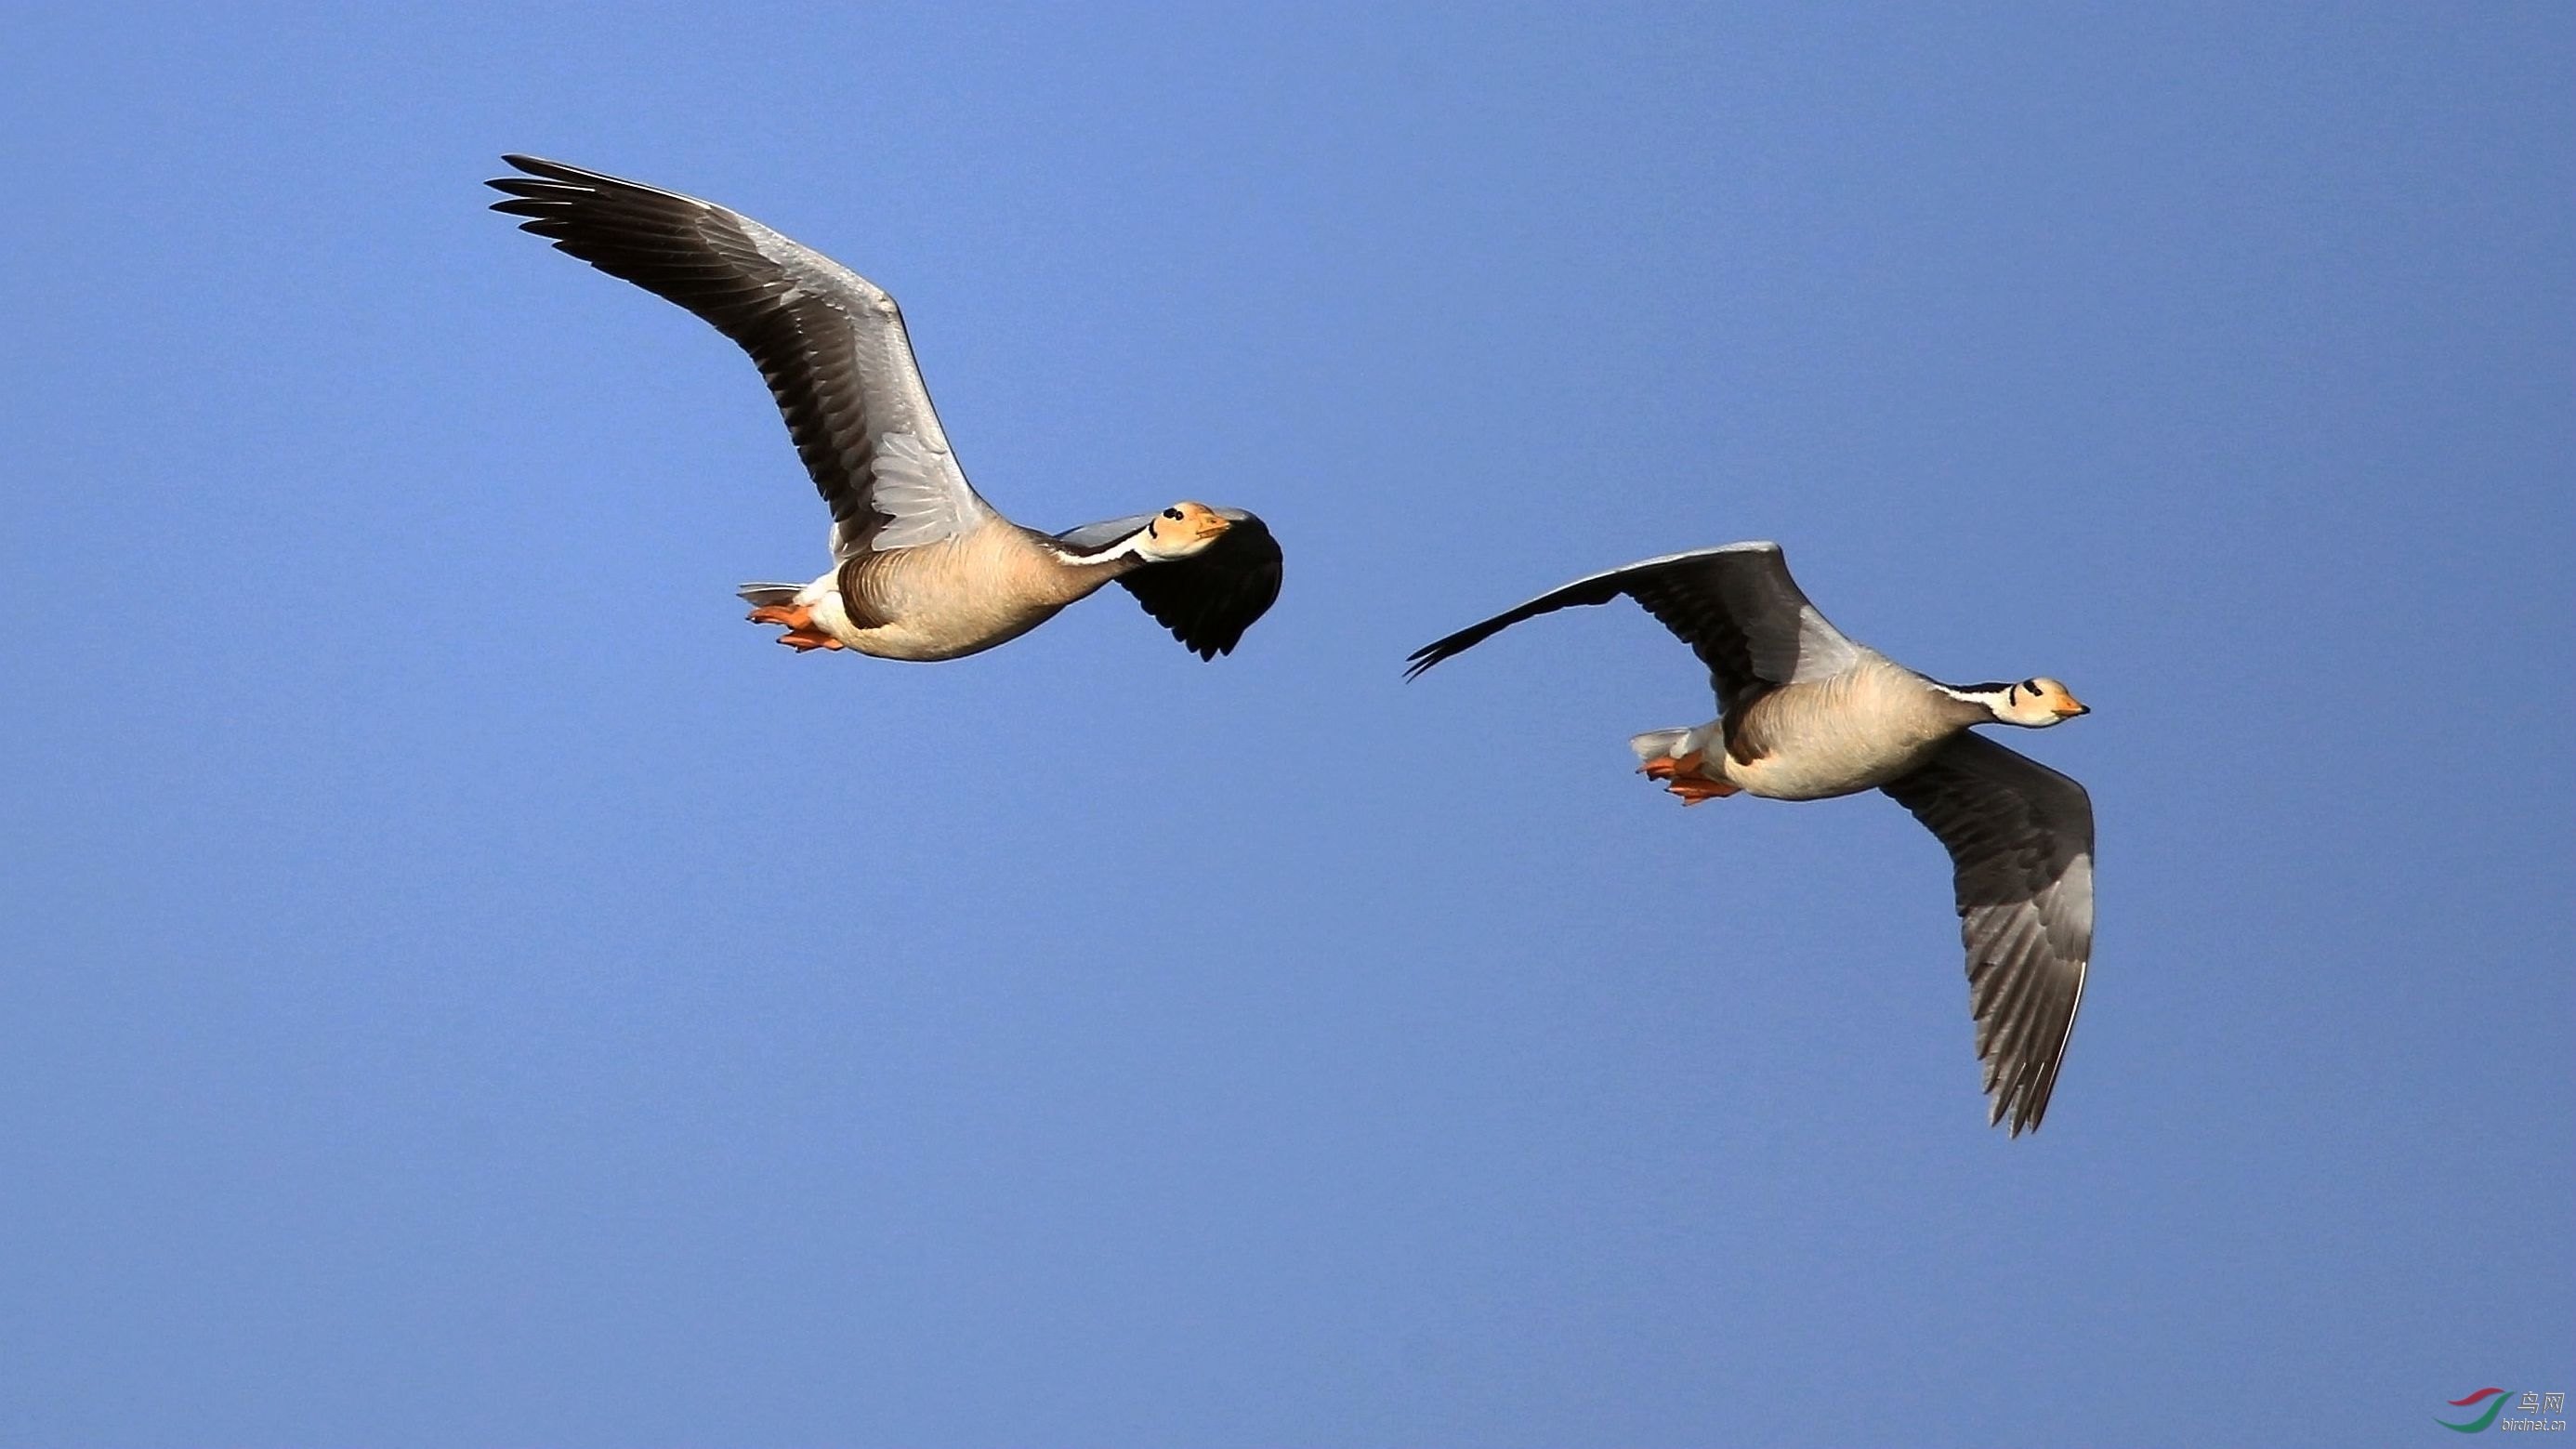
column 1821, row 773
column 947, row 599
column 943, row 629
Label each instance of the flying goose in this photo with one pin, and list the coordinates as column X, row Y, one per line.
column 922, row 566
column 1805, row 713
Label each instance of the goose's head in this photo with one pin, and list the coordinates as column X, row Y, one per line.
column 1182, row 530
column 2034, row 703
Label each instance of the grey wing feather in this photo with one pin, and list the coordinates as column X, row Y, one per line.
column 1209, row 599
column 831, row 344
column 1093, row 536
column 2020, row 837
column 1735, row 605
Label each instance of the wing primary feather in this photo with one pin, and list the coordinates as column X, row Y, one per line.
column 2020, row 837
column 830, row 344
column 1735, row 605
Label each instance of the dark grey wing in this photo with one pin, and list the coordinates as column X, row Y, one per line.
column 1209, row 599
column 831, row 344
column 2020, row 837
column 1735, row 605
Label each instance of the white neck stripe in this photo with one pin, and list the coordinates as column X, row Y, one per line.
column 1132, row 546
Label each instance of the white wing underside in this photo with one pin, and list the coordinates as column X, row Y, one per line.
column 922, row 492
column 914, row 480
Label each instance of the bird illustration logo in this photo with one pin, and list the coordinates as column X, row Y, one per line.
column 2480, row 1423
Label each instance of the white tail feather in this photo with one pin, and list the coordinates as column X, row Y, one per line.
column 1658, row 744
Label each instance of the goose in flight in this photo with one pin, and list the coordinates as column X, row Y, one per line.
column 1805, row 713
column 922, row 566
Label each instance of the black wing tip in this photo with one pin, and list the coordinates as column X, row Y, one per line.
column 2024, row 1119
column 1201, row 635
column 1582, row 593
column 1209, row 602
column 1442, row 650
column 537, row 176
column 556, row 184
column 1207, row 646
column 539, row 166
column 548, row 189
column 2024, row 1098
column 1208, row 640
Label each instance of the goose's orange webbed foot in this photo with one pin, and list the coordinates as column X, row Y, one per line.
column 1670, row 766
column 1682, row 775
column 798, row 619
column 1694, row 790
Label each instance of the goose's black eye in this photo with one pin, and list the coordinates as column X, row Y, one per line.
column 2031, row 684
column 1173, row 514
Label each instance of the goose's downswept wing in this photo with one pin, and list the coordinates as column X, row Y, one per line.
column 2020, row 837
column 1206, row 600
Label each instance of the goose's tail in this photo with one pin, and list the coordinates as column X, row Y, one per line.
column 764, row 595
column 1659, row 745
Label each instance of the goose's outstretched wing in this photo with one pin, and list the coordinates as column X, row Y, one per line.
column 2020, row 837
column 830, row 343
column 1735, row 606
column 1210, row 598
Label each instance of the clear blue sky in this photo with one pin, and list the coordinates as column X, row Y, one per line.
column 464, row 986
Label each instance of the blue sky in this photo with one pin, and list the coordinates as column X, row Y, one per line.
column 465, row 986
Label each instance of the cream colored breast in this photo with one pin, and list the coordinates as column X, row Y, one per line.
column 1853, row 732
column 960, row 595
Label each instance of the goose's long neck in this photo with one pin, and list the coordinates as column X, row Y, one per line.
column 1976, row 703
column 1107, row 561
column 1071, row 573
